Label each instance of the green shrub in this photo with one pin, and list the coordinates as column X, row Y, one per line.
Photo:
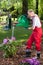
column 10, row 49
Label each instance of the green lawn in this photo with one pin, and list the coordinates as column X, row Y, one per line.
column 20, row 33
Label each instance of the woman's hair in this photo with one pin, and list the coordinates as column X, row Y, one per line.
column 30, row 10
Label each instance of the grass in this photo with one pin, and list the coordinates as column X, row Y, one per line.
column 20, row 33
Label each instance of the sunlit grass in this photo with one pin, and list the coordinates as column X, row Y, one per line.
column 20, row 33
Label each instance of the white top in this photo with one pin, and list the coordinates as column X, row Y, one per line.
column 36, row 22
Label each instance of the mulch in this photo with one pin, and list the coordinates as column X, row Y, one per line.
column 16, row 59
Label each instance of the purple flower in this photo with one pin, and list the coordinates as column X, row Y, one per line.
column 5, row 41
column 13, row 38
column 32, row 61
column 37, row 63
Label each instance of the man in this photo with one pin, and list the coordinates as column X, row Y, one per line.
column 36, row 34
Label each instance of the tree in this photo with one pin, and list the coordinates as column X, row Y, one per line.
column 25, row 6
column 36, row 6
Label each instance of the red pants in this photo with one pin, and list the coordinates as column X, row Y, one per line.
column 35, row 37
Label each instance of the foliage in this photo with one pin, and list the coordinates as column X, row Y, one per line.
column 11, row 5
column 31, row 4
column 41, row 9
column 18, row 6
column 10, row 48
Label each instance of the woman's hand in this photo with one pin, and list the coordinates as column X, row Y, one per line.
column 30, row 28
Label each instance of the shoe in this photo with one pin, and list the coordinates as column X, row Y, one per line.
column 28, row 54
column 38, row 55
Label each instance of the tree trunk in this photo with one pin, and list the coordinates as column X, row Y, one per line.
column 25, row 6
column 36, row 6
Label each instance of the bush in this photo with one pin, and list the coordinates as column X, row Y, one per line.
column 9, row 47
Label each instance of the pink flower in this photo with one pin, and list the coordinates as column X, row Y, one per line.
column 5, row 41
column 13, row 38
